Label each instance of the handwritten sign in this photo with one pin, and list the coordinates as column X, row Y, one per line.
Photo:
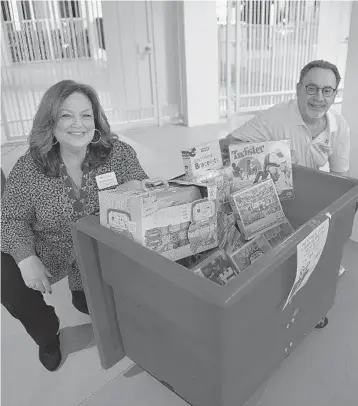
column 309, row 252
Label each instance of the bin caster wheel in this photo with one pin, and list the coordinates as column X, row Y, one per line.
column 322, row 323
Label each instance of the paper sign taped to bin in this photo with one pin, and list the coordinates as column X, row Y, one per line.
column 309, row 252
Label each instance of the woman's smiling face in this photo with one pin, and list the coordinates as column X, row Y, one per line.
column 75, row 125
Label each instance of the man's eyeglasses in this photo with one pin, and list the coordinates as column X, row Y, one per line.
column 326, row 91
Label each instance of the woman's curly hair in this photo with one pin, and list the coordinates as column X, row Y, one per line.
column 44, row 151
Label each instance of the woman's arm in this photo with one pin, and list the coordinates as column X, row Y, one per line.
column 17, row 213
column 127, row 162
column 3, row 181
column 138, row 172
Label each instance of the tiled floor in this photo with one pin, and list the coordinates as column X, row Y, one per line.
column 323, row 371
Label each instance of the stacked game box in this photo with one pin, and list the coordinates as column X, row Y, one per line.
column 257, row 208
column 255, row 162
column 204, row 165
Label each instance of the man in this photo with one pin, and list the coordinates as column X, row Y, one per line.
column 317, row 133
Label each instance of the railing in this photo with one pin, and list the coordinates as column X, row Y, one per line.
column 264, row 69
column 41, row 40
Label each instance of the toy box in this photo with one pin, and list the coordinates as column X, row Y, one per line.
column 225, row 223
column 250, row 252
column 176, row 220
column 257, row 161
column 221, row 178
column 217, row 267
column 257, row 208
column 276, row 235
column 202, row 158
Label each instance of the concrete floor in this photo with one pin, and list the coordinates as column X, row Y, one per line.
column 323, row 371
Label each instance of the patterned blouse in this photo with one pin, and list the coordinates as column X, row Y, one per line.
column 38, row 210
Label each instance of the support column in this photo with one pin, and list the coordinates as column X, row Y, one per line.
column 349, row 104
column 333, row 29
column 327, row 30
column 200, row 67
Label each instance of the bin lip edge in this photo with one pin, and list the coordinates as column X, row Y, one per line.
column 281, row 252
column 197, row 286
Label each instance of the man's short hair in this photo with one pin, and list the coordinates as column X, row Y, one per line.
column 323, row 65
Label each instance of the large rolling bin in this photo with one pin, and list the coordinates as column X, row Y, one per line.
column 213, row 345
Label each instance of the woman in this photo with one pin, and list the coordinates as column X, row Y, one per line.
column 3, row 180
column 49, row 188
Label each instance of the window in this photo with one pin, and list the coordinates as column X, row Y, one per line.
column 25, row 10
column 41, row 9
column 5, row 9
column 69, row 9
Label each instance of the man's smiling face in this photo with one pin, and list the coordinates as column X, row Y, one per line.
column 315, row 106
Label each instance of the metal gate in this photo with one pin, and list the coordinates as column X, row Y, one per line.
column 262, row 47
column 43, row 42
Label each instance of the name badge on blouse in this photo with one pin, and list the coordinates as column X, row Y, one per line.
column 106, row 180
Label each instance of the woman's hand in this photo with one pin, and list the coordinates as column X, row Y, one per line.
column 35, row 274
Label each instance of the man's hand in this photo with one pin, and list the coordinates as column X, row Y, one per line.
column 294, row 156
column 224, row 145
column 326, row 149
column 346, row 173
column 228, row 140
column 35, row 274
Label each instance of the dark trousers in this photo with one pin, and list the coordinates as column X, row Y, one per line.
column 27, row 305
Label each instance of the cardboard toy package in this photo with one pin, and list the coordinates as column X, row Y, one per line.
column 221, row 178
column 217, row 267
column 246, row 253
column 202, row 158
column 250, row 252
column 234, row 240
column 277, row 234
column 225, row 223
column 257, row 208
column 235, row 254
column 176, row 220
column 257, row 161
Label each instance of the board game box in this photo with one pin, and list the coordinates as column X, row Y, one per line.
column 276, row 235
column 247, row 252
column 217, row 267
column 255, row 162
column 250, row 252
column 257, row 208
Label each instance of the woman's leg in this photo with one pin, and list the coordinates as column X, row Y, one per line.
column 76, row 286
column 79, row 301
column 27, row 305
